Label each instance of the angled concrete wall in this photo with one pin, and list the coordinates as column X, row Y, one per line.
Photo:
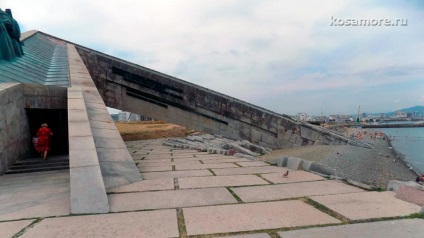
column 14, row 130
column 136, row 89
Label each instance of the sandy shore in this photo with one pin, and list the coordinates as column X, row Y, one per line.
column 370, row 166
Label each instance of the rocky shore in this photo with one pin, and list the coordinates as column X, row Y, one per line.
column 374, row 166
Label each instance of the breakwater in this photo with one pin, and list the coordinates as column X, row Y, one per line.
column 393, row 125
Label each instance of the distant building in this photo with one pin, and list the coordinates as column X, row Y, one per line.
column 301, row 116
column 400, row 114
column 128, row 116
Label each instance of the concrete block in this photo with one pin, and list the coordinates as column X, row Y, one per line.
column 294, row 176
column 88, row 193
column 9, row 229
column 79, row 128
column 411, row 195
column 282, row 162
column 320, row 168
column 294, row 163
column 77, row 115
column 81, row 143
column 394, row 185
column 306, row 165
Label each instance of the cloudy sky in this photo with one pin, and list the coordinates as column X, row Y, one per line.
column 286, row 56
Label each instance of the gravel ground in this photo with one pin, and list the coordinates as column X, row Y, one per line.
column 370, row 166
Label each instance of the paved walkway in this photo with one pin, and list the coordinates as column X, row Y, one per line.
column 194, row 194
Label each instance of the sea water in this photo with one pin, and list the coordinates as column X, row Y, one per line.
column 409, row 143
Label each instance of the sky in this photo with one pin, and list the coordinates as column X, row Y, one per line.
column 286, row 56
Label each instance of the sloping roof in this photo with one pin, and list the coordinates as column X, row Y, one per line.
column 45, row 62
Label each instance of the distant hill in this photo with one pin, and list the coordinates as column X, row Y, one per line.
column 419, row 109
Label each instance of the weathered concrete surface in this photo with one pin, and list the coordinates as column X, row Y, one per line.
column 293, row 177
column 145, row 168
column 256, row 216
column 283, row 191
column 259, row 235
column 367, row 205
column 145, row 185
column 34, row 195
column 205, row 166
column 252, row 164
column 411, row 228
column 132, row 224
column 176, row 174
column 9, row 229
column 222, row 160
column 220, row 181
column 248, row 170
column 170, row 199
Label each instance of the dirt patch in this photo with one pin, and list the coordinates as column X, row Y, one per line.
column 144, row 130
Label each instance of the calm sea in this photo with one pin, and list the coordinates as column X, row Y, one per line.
column 409, row 143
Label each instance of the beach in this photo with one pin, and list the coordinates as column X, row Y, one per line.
column 375, row 166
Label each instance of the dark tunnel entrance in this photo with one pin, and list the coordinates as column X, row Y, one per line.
column 57, row 120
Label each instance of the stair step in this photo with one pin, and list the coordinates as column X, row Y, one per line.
column 30, row 170
column 40, row 165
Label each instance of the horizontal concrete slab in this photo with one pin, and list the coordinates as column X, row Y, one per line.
column 56, row 206
column 220, row 181
column 9, row 229
column 253, row 164
column 293, row 177
column 248, row 170
column 161, row 163
column 144, row 168
column 170, row 199
column 131, row 224
column 145, row 185
column 257, row 235
column 411, row 228
column 367, row 205
column 204, row 166
column 255, row 216
column 293, row 190
column 215, row 161
column 176, row 174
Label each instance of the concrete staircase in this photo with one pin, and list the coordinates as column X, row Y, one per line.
column 38, row 164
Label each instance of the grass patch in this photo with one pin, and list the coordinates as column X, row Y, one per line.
column 326, row 210
column 416, row 215
column 181, row 223
column 235, row 195
column 210, row 170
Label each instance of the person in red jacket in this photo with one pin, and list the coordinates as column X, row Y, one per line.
column 43, row 143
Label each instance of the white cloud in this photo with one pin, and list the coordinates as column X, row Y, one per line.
column 264, row 52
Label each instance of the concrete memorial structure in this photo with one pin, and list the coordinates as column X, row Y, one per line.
column 54, row 74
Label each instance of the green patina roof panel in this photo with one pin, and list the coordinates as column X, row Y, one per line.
column 45, row 62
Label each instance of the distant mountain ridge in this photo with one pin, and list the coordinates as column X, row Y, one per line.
column 419, row 109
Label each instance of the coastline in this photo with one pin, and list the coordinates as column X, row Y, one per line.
column 401, row 157
column 376, row 166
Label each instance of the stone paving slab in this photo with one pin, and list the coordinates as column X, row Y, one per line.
column 56, row 206
column 248, row 170
column 254, row 216
column 411, row 194
column 176, row 174
column 146, row 168
column 215, row 161
column 253, row 164
column 170, row 199
column 145, row 185
column 410, row 228
column 367, row 205
column 220, row 181
column 258, row 235
column 139, row 160
column 9, row 229
column 131, row 224
column 293, row 190
column 205, row 166
column 293, row 177
column 154, row 163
